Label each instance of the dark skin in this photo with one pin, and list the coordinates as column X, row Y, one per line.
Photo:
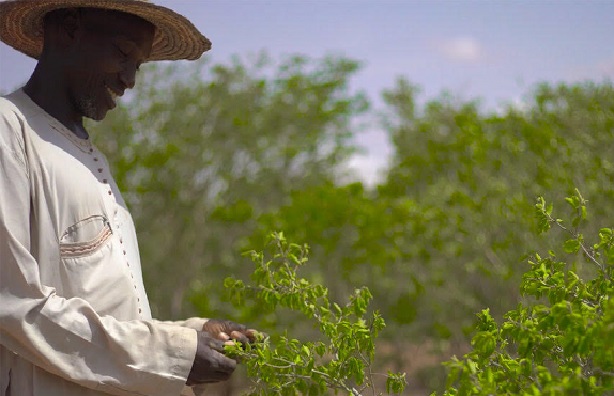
column 225, row 332
column 90, row 57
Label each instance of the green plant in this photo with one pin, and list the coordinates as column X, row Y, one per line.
column 341, row 360
column 561, row 341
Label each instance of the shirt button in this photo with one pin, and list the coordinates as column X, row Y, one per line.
column 110, row 193
column 124, row 252
column 139, row 310
column 104, row 180
column 95, row 159
column 91, row 150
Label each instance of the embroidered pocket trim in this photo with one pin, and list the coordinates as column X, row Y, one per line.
column 79, row 249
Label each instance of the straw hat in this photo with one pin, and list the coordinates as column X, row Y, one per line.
column 21, row 26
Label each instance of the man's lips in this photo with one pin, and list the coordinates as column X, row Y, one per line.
column 113, row 95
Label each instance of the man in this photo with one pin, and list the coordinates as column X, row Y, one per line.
column 74, row 316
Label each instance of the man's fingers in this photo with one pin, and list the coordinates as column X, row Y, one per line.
column 213, row 343
column 253, row 335
column 227, row 330
column 239, row 336
column 215, row 326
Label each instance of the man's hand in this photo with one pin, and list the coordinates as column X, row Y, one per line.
column 227, row 330
column 210, row 364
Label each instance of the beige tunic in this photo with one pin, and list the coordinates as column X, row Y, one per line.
column 74, row 316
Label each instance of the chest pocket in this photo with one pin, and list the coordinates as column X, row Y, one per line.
column 91, row 266
column 85, row 237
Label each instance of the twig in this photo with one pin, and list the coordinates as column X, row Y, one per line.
column 584, row 249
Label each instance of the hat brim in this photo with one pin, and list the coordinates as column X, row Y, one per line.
column 21, row 26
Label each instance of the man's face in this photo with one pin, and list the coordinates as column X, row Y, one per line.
column 103, row 60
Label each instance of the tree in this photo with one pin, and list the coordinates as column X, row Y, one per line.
column 476, row 173
column 444, row 236
column 199, row 152
column 212, row 159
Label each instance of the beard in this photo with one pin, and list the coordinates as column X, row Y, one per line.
column 89, row 100
column 87, row 107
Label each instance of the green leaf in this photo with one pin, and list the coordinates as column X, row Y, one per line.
column 571, row 246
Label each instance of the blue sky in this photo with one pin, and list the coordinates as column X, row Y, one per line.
column 493, row 50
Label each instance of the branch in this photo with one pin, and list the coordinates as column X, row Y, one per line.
column 584, row 249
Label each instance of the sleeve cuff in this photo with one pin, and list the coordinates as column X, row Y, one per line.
column 182, row 344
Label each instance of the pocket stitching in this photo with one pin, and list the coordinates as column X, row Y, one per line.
column 85, row 248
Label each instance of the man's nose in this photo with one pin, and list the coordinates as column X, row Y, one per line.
column 128, row 75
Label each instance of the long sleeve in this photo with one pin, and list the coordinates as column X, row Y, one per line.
column 195, row 323
column 66, row 337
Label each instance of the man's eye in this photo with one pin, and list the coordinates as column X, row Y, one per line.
column 121, row 51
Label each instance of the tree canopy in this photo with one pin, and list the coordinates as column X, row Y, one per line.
column 213, row 158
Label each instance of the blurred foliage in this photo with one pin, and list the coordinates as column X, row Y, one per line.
column 479, row 174
column 199, row 151
column 212, row 158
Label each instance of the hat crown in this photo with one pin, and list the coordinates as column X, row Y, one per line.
column 21, row 23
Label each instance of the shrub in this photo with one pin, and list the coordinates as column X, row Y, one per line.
column 343, row 357
column 560, row 340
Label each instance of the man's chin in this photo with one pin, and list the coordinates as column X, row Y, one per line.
column 98, row 116
column 93, row 109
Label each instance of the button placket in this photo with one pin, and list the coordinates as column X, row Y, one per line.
column 105, row 180
column 100, row 170
column 121, row 242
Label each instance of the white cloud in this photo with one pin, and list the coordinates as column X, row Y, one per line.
column 461, row 49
